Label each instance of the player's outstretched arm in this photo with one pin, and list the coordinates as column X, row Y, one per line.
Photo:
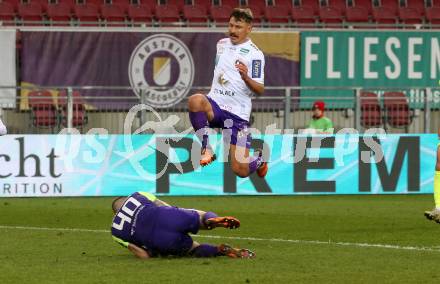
column 138, row 252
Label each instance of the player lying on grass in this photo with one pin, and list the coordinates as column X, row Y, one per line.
column 149, row 227
column 435, row 213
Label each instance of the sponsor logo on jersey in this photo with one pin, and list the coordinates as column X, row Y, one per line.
column 244, row 50
column 256, row 68
column 221, row 80
column 161, row 70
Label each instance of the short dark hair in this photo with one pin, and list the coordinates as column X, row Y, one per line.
column 242, row 14
column 114, row 203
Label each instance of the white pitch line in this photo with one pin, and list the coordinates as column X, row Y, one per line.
column 315, row 242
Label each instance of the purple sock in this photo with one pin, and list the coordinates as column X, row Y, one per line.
column 255, row 164
column 208, row 215
column 199, row 120
column 205, row 250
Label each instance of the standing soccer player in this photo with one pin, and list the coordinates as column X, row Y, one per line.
column 435, row 213
column 238, row 75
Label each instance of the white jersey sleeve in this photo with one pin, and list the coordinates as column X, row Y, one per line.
column 3, row 130
column 256, row 67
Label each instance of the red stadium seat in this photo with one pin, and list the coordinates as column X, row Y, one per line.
column 7, row 13
column 178, row 3
column 79, row 115
column 113, row 14
column 257, row 12
column 257, row 3
column 123, row 4
column 391, row 5
column 435, row 3
column 366, row 4
column 433, row 15
column 332, row 17
column 276, row 14
column 384, row 16
column 230, row 3
column 195, row 13
column 356, row 15
column 303, row 16
column 416, row 4
column 314, row 4
column 167, row 13
column 43, row 111
column 14, row 3
column 371, row 115
column 284, row 3
column 31, row 14
column 59, row 14
column 206, row 4
column 339, row 4
column 87, row 14
column 220, row 14
column 397, row 113
column 410, row 16
column 140, row 14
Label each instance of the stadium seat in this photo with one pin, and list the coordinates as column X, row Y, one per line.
column 59, row 14
column 283, row 3
column 14, row 3
column 371, row 115
column 167, row 13
column 140, row 13
column 433, row 15
column 7, row 13
column 178, row 3
column 314, row 4
column 31, row 14
column 390, row 4
column 195, row 13
column 276, row 14
column 366, row 4
column 230, row 3
column 331, row 17
column 205, row 4
column 435, row 3
column 123, row 4
column 43, row 111
column 384, row 17
column 257, row 12
column 113, row 15
column 397, row 113
column 410, row 16
column 79, row 115
column 220, row 14
column 338, row 4
column 356, row 14
column 303, row 16
column 87, row 14
column 416, row 4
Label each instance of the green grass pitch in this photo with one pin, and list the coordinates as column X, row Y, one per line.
column 298, row 239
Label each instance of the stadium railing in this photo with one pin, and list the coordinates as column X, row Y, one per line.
column 52, row 109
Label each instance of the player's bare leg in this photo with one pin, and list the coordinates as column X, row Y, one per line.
column 243, row 165
column 200, row 113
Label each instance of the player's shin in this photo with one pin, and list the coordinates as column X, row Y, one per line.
column 199, row 121
column 205, row 250
column 437, row 189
